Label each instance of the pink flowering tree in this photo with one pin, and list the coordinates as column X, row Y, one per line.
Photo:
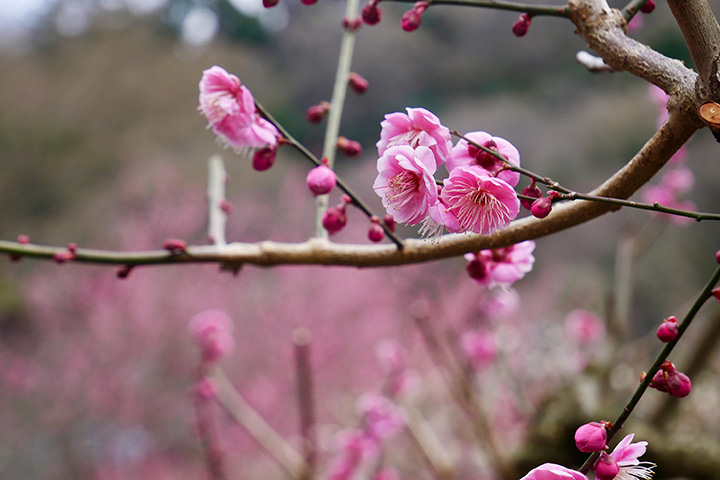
column 493, row 387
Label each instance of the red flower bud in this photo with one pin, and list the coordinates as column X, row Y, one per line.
column 321, row 180
column 591, row 437
column 371, row 13
column 668, row 330
column 316, row 113
column 606, row 468
column 264, row 158
column 411, row 20
column 335, row 218
column 648, row 7
column 357, row 83
column 351, row 148
column 541, row 207
column 530, row 191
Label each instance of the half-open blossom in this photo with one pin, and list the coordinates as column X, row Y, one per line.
column 501, row 266
column 466, row 154
column 626, row 455
column 551, row 471
column 230, row 109
column 405, row 182
column 480, row 203
column 418, row 128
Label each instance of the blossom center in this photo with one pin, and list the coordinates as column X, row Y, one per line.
column 401, row 188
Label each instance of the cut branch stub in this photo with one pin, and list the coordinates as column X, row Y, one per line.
column 709, row 113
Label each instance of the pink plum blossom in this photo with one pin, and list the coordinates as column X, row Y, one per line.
column 551, row 471
column 464, row 154
column 480, row 203
column 405, row 182
column 418, row 128
column 501, row 266
column 230, row 109
column 626, row 455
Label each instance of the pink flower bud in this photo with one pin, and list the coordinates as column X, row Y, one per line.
column 357, row 83
column 263, row 159
column 541, row 207
column 308, row 2
column 226, row 207
column 316, row 113
column 351, row 148
column 270, row 3
column 24, row 240
column 321, row 180
column 371, row 13
column 678, row 384
column 411, row 20
column 352, row 24
column 522, row 25
column 477, row 269
column 390, row 222
column 175, row 245
column 717, row 254
column 205, row 389
column 376, row 232
column 63, row 256
column 716, row 293
column 648, row 7
column 668, row 330
column 530, row 191
column 335, row 218
column 591, row 437
column 606, row 468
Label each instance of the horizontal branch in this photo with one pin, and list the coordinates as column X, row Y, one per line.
column 653, row 155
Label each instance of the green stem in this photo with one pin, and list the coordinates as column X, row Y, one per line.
column 534, row 10
column 704, row 295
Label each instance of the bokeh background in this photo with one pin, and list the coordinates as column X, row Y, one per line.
column 101, row 144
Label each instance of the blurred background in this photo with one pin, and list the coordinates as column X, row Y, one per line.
column 101, row 144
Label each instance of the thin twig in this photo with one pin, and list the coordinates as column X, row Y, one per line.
column 704, row 295
column 284, row 453
column 301, row 339
column 534, row 10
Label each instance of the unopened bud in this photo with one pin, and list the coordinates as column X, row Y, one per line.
column 351, row 148
column 63, row 256
column 352, row 24
column 390, row 222
column 270, row 3
column 308, row 2
column 23, row 239
column 411, row 20
column 175, row 245
column 716, row 293
column 668, row 330
column 316, row 113
column 591, row 437
column 263, row 159
column 648, row 7
column 321, row 180
column 606, row 468
column 335, row 218
column 376, row 232
column 530, row 191
column 541, row 207
column 371, row 13
column 678, row 384
column 522, row 25
column 357, row 83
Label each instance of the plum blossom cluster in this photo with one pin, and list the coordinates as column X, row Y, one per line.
column 669, row 380
column 477, row 195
